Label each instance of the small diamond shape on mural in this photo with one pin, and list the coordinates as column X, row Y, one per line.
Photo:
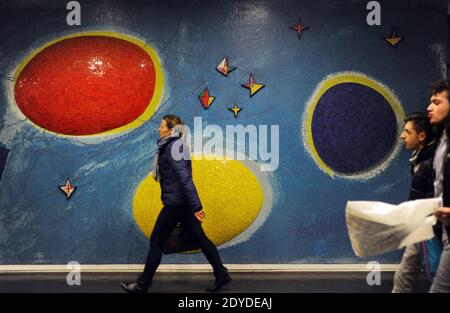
column 299, row 28
column 252, row 85
column 206, row 99
column 68, row 189
column 394, row 40
column 224, row 68
column 236, row 110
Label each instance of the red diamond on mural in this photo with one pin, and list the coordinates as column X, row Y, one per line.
column 299, row 28
column 206, row 99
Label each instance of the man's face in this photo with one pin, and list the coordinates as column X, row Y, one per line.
column 410, row 138
column 439, row 108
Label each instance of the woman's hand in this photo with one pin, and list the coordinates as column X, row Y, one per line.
column 443, row 214
column 200, row 215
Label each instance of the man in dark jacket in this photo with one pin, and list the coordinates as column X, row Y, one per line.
column 417, row 135
column 439, row 114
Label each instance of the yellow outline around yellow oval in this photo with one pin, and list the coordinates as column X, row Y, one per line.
column 159, row 78
column 327, row 83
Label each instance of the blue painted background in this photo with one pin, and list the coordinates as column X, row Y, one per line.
column 307, row 222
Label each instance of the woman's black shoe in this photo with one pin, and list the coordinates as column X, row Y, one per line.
column 133, row 288
column 219, row 283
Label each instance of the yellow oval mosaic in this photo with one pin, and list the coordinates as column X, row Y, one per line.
column 231, row 195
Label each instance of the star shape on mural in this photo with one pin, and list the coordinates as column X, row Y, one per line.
column 254, row 87
column 299, row 28
column 206, row 99
column 394, row 40
column 68, row 189
column 224, row 67
column 235, row 109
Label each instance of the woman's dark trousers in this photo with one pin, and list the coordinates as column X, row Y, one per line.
column 167, row 220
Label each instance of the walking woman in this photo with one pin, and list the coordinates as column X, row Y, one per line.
column 181, row 204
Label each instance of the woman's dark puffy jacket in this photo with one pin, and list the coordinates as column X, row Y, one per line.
column 175, row 177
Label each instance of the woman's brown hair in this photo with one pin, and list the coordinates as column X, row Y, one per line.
column 172, row 120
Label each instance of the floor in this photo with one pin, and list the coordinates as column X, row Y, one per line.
column 188, row 282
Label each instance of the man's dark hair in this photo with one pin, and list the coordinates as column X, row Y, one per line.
column 440, row 86
column 421, row 123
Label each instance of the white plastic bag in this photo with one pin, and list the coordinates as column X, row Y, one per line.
column 376, row 227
